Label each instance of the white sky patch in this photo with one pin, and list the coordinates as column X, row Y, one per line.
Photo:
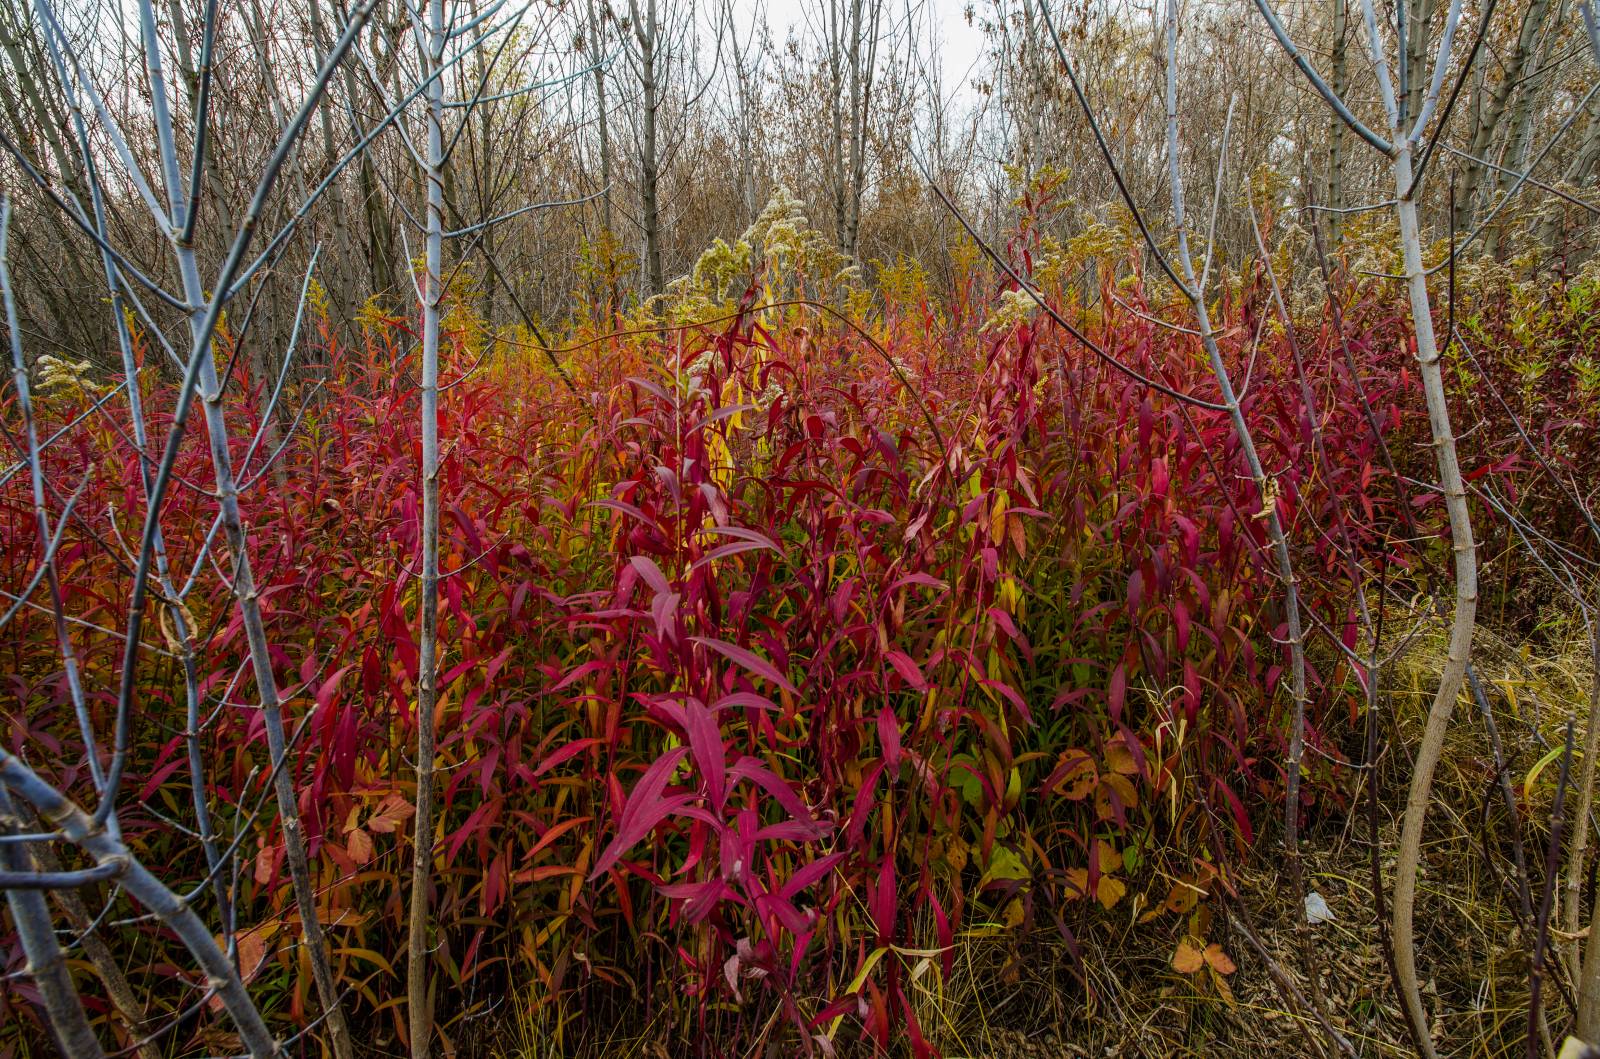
column 940, row 27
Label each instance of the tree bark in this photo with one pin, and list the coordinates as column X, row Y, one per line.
column 418, row 996
column 1466, row 602
column 646, row 33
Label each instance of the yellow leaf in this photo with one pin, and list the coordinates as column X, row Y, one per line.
column 1183, row 897
column 1104, row 807
column 1013, row 913
column 370, row 957
column 1110, row 891
column 997, row 518
column 866, row 969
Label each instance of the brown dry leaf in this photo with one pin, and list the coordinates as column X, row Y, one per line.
column 1222, row 988
column 955, row 852
column 1189, row 958
column 1269, row 499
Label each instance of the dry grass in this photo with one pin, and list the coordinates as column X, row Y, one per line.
column 1473, row 942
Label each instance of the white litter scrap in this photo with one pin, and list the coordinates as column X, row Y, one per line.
column 1317, row 910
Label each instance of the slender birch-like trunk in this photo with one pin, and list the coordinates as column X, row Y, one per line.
column 209, row 388
column 1464, row 617
column 418, row 994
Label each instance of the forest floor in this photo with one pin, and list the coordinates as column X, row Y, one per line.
column 1472, row 924
column 1025, row 997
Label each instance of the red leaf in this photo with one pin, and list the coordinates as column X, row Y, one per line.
column 571, row 750
column 753, row 662
column 651, row 573
column 645, row 809
column 705, row 740
column 752, row 769
column 884, row 899
column 1118, row 690
column 909, row 671
column 809, row 874
column 889, row 737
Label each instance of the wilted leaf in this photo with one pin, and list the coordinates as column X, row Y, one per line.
column 1075, row 775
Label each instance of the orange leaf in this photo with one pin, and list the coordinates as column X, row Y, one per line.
column 1188, row 959
column 1119, row 757
column 1219, row 960
column 360, row 846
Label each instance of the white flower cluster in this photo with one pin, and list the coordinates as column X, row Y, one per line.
column 1016, row 307
column 55, row 374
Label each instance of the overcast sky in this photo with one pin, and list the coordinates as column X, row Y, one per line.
column 939, row 23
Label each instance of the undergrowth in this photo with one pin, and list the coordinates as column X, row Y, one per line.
column 819, row 666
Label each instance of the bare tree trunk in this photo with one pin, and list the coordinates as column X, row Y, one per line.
column 857, row 153
column 106, row 848
column 1419, row 28
column 380, row 237
column 30, row 915
column 344, row 292
column 836, row 117
column 1577, row 861
column 418, row 995
column 602, row 117
column 1488, row 127
column 1335, row 197
column 1462, row 623
column 94, row 947
column 647, row 35
column 244, row 588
